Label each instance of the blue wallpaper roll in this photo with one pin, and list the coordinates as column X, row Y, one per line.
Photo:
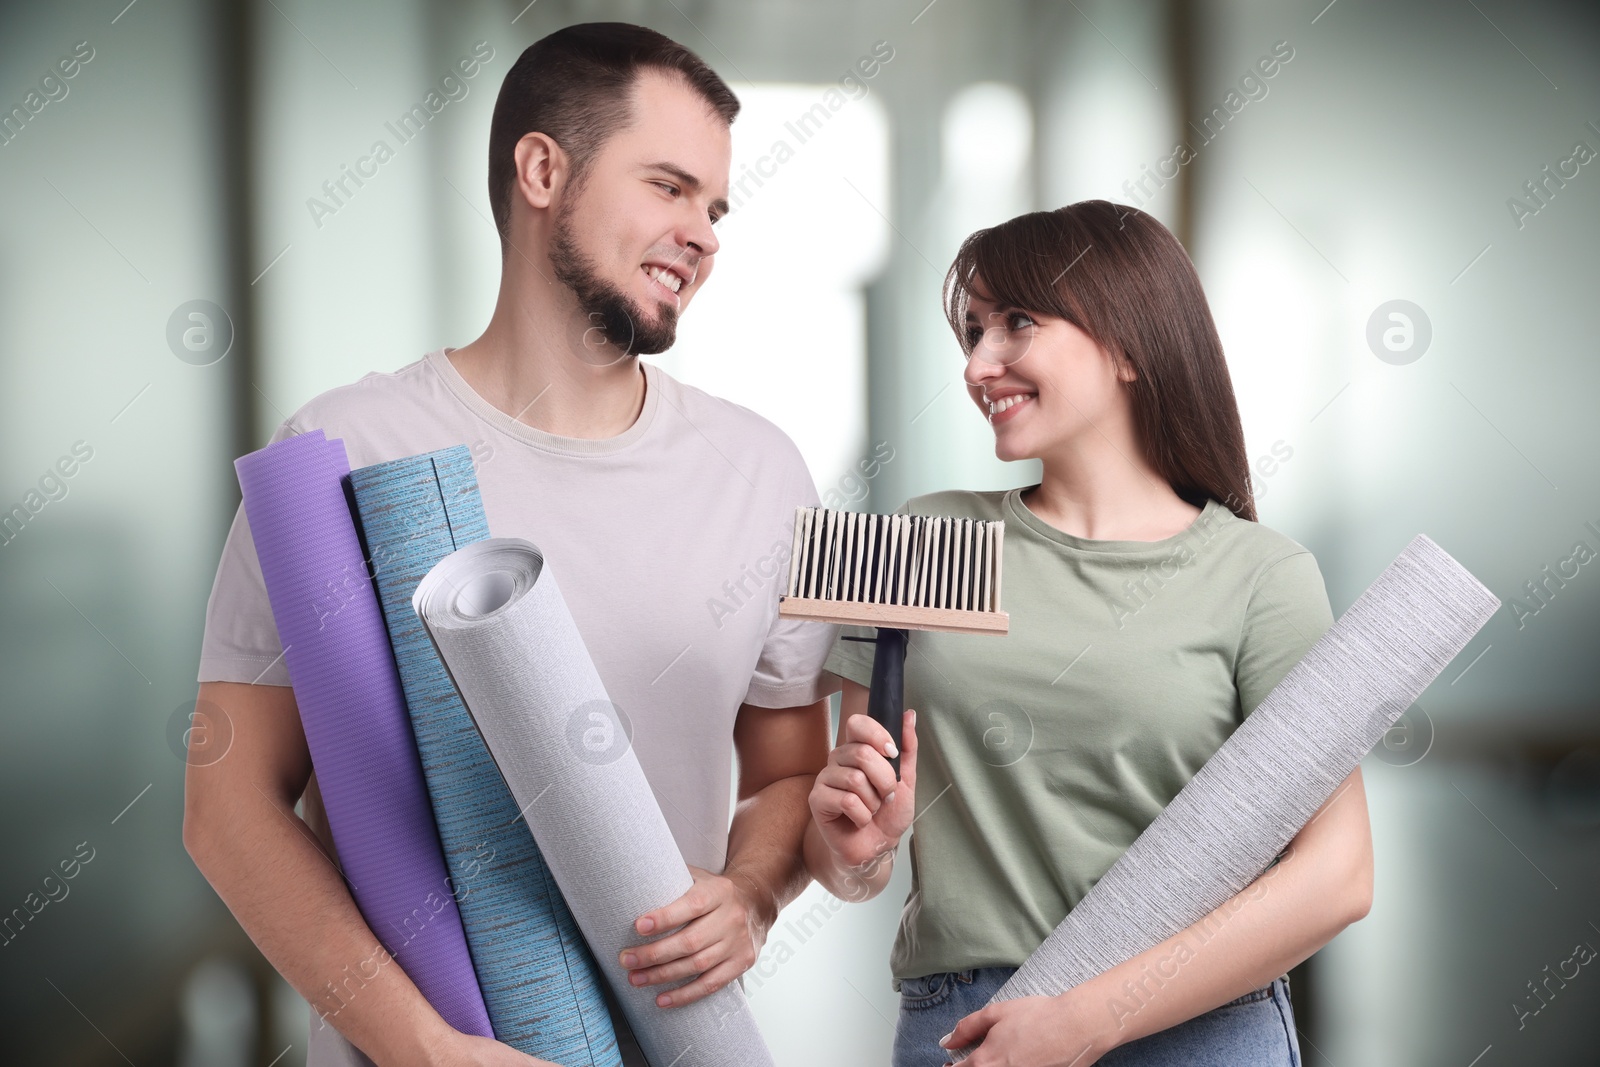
column 343, row 675
column 539, row 979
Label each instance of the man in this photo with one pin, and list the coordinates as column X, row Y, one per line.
column 609, row 154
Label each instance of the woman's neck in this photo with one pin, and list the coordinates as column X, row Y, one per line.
column 1117, row 499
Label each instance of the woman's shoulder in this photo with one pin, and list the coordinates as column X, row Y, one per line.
column 1263, row 545
column 961, row 503
column 1266, row 560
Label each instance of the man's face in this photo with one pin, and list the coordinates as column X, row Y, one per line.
column 635, row 243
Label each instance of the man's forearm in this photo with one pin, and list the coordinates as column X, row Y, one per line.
column 765, row 841
column 284, row 890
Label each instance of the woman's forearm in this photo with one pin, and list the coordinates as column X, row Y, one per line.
column 1322, row 884
column 1281, row 919
column 847, row 883
column 865, row 881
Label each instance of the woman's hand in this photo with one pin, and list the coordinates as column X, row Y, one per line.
column 859, row 808
column 1030, row 1032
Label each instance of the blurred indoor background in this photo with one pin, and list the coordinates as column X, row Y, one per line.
column 1398, row 232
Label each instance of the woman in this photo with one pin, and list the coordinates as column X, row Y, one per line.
column 1150, row 612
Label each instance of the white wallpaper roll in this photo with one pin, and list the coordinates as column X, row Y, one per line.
column 1260, row 788
column 496, row 615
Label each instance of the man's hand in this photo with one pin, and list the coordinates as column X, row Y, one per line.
column 724, row 922
column 859, row 808
column 467, row 1050
column 724, row 918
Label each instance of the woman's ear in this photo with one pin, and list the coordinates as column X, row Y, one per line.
column 1126, row 371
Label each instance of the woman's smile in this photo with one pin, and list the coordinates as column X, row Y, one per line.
column 1007, row 405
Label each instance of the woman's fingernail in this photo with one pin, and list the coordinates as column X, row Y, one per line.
column 629, row 959
column 637, row 978
column 944, row 1042
column 890, row 750
column 890, row 798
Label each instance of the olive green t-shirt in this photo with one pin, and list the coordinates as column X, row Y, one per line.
column 1046, row 751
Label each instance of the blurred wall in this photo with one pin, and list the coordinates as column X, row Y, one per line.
column 169, row 294
column 1386, row 164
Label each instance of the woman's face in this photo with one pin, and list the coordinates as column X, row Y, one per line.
column 1040, row 381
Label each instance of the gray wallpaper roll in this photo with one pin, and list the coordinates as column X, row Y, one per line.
column 1260, row 788
column 496, row 615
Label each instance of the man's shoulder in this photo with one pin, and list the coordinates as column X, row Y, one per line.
column 754, row 433
column 374, row 393
column 382, row 414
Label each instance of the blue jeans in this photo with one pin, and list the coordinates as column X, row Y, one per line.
column 1256, row 1030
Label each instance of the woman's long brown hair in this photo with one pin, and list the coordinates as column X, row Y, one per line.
column 1122, row 278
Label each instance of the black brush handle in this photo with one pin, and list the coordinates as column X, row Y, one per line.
column 886, row 702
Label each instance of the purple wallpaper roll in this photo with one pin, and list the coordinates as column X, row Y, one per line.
column 354, row 713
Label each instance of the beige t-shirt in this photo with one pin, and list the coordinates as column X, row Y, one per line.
column 670, row 539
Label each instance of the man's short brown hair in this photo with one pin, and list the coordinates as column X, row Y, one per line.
column 573, row 86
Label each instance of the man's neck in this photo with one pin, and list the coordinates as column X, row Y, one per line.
column 548, row 380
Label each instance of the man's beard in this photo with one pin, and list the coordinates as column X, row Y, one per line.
column 607, row 311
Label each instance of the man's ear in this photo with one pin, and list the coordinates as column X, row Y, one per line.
column 542, row 169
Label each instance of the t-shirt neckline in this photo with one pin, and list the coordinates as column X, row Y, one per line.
column 439, row 360
column 1016, row 509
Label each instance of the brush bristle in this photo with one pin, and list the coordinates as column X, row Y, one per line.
column 934, row 562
